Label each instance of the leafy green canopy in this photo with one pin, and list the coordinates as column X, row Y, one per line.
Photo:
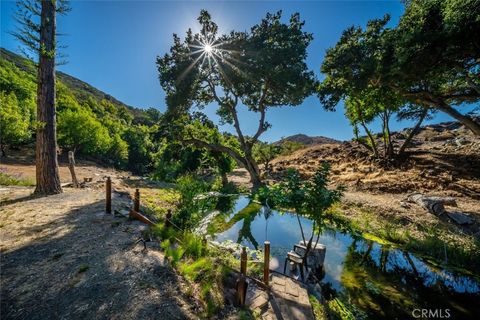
column 175, row 158
column 430, row 59
column 257, row 69
column 14, row 122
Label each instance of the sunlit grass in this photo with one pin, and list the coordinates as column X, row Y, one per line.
column 14, row 180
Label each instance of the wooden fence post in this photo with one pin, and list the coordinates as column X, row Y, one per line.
column 167, row 218
column 266, row 262
column 136, row 201
column 71, row 166
column 242, row 284
column 243, row 262
column 108, row 198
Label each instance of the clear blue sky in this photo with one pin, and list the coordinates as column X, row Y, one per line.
column 113, row 45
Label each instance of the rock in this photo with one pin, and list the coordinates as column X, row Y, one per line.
column 404, row 204
column 461, row 141
column 461, row 217
column 432, row 204
column 203, row 225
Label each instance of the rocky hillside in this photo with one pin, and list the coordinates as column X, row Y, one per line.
column 444, row 158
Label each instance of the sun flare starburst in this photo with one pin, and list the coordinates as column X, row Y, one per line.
column 208, row 48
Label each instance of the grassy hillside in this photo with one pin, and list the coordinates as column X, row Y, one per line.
column 82, row 90
column 89, row 121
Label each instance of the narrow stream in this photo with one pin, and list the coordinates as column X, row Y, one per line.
column 380, row 281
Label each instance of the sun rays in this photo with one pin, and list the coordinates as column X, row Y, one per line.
column 211, row 53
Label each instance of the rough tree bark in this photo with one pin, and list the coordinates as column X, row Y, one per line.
column 441, row 103
column 412, row 133
column 246, row 160
column 373, row 144
column 47, row 176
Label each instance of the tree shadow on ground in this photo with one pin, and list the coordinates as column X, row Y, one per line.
column 19, row 199
column 85, row 265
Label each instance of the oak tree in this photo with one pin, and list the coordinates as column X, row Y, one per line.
column 258, row 69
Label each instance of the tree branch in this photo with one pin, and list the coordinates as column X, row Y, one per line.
column 261, row 126
column 233, row 111
column 261, row 123
column 217, row 147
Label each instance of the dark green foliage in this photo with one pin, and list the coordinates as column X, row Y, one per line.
column 14, row 122
column 140, row 147
column 264, row 153
column 430, row 59
column 175, row 157
column 259, row 69
column 190, row 209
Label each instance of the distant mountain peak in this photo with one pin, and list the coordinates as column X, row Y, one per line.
column 308, row 140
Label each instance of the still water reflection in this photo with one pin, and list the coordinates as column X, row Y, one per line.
column 381, row 281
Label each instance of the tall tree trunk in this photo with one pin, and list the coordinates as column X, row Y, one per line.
column 48, row 180
column 412, row 133
column 372, row 140
column 387, row 140
column 3, row 148
column 253, row 170
column 390, row 149
column 465, row 120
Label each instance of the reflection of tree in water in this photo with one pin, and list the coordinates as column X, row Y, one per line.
column 387, row 282
column 267, row 213
column 226, row 204
column 246, row 231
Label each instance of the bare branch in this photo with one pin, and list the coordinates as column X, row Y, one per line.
column 262, row 126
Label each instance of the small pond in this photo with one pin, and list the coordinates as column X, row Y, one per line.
column 380, row 281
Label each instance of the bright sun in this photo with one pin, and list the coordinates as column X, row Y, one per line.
column 208, row 48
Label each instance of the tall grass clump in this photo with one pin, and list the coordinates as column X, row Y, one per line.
column 189, row 254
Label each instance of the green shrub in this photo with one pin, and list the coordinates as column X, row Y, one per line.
column 14, row 180
column 196, row 269
column 160, row 231
column 189, row 213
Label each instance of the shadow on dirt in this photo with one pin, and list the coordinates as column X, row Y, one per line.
column 86, row 266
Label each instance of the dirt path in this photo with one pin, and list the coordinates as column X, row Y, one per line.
column 63, row 258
